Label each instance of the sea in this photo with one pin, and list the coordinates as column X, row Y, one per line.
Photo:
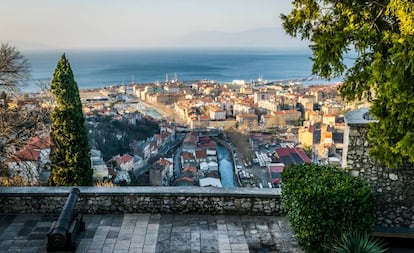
column 102, row 68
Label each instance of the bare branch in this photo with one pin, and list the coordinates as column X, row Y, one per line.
column 14, row 68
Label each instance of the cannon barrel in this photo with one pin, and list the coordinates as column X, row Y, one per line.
column 58, row 236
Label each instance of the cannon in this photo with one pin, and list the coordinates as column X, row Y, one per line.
column 63, row 232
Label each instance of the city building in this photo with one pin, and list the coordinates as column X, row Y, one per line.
column 161, row 172
column 30, row 162
column 100, row 169
column 249, row 121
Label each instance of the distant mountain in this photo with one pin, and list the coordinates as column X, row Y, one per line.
column 261, row 37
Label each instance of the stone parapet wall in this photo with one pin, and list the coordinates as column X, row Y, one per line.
column 393, row 188
column 101, row 200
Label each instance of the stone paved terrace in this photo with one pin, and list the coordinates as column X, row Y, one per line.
column 148, row 219
column 145, row 232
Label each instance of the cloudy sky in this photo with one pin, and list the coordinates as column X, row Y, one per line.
column 143, row 23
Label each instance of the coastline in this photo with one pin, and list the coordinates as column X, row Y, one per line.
column 103, row 68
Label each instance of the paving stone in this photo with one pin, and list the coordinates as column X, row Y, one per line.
column 181, row 229
column 123, row 251
column 138, row 238
column 117, row 221
column 163, row 247
column 236, row 240
column 239, row 247
column 136, row 245
column 195, row 250
column 195, row 238
column 208, row 236
column 224, row 246
column 149, row 249
column 209, row 245
column 93, row 251
column 155, row 233
column 5, row 244
column 204, row 227
column 96, row 245
column 178, row 238
column 125, row 236
column 154, row 219
column 180, row 248
column 30, row 249
column 151, row 238
column 108, row 246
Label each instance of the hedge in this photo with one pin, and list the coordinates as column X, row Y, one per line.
column 324, row 202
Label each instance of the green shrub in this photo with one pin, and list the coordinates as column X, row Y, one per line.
column 324, row 202
column 358, row 243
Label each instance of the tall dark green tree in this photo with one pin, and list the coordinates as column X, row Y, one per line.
column 381, row 35
column 69, row 154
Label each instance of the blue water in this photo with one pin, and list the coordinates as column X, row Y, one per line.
column 225, row 166
column 99, row 68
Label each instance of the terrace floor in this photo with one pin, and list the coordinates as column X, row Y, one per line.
column 155, row 233
column 167, row 233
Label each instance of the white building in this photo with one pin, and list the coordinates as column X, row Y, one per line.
column 239, row 108
column 217, row 114
column 212, row 166
column 125, row 162
column 210, row 181
column 100, row 170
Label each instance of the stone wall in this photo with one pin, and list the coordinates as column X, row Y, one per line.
column 393, row 188
column 101, row 200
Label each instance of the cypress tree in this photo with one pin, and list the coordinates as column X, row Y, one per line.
column 69, row 154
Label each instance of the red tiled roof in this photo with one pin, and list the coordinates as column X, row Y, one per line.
column 293, row 154
column 187, row 155
column 303, row 155
column 163, row 162
column 39, row 142
column 207, row 145
column 204, row 139
column 187, row 179
column 204, row 117
column 276, row 180
column 311, row 129
column 202, row 153
column 31, row 151
column 191, row 169
column 123, row 159
column 27, row 154
column 190, row 138
column 283, row 151
column 276, row 168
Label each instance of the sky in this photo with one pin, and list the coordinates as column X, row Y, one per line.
column 143, row 23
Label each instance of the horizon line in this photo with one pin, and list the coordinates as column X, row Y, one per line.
column 54, row 49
